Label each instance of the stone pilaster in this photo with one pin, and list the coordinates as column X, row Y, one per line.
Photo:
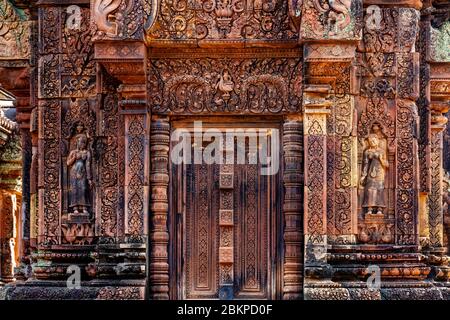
column 316, row 109
column 436, row 217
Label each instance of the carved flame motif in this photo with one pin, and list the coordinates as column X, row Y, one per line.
column 103, row 10
column 224, row 10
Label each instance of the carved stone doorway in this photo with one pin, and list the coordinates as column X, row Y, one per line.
column 225, row 223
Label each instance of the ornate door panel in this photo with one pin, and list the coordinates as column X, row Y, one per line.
column 252, row 248
column 201, row 225
column 224, row 234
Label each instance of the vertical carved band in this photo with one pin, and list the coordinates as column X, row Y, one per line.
column 435, row 197
column 108, row 168
column 407, row 178
column 292, row 208
column 50, row 194
column 315, row 164
column 341, row 171
column 159, row 235
column 226, row 214
column 315, row 208
column 135, row 182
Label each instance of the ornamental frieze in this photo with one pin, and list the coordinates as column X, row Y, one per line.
column 266, row 85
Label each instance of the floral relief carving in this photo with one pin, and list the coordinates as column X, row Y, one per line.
column 356, row 89
column 223, row 20
column 224, row 85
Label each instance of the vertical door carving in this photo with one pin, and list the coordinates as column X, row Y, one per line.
column 252, row 228
column 201, row 227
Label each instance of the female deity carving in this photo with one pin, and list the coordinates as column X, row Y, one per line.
column 80, row 178
column 373, row 174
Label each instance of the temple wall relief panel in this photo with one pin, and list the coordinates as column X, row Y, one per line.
column 239, row 82
column 88, row 203
column 387, row 126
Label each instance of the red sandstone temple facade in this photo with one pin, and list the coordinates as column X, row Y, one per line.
column 356, row 93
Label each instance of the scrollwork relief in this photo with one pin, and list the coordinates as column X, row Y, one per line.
column 222, row 85
column 225, row 20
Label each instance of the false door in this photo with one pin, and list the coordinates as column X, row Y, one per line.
column 226, row 241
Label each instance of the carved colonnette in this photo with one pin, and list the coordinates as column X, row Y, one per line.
column 292, row 207
column 159, row 265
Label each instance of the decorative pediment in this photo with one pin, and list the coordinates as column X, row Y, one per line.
column 219, row 21
column 14, row 32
